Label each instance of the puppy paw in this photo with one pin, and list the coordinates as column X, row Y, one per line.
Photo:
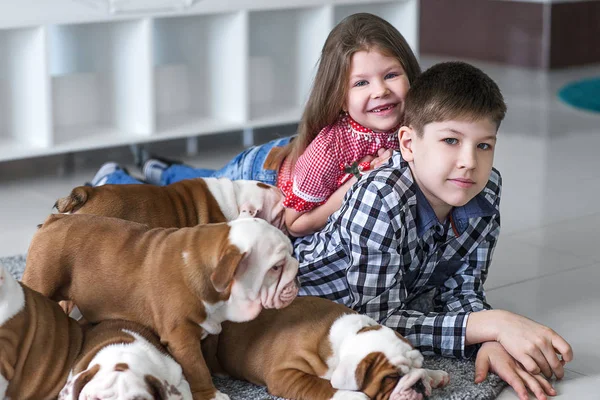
column 220, row 396
column 349, row 395
column 211, row 327
column 437, row 378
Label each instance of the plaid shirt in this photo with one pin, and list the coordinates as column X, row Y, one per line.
column 385, row 246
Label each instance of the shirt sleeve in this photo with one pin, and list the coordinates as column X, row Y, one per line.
column 316, row 173
column 372, row 229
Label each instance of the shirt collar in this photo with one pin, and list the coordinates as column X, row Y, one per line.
column 426, row 218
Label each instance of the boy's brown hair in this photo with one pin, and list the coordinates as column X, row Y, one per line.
column 453, row 90
column 354, row 33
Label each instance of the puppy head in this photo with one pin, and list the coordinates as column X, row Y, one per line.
column 259, row 269
column 257, row 199
column 118, row 382
column 128, row 371
column 372, row 358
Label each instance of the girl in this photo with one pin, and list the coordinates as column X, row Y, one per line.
column 349, row 125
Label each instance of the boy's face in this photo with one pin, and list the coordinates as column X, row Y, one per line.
column 451, row 162
column 376, row 91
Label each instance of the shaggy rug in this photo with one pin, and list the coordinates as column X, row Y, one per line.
column 462, row 372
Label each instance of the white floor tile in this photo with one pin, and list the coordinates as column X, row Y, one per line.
column 515, row 261
column 569, row 303
column 580, row 236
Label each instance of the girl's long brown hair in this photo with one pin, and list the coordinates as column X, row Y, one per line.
column 357, row 32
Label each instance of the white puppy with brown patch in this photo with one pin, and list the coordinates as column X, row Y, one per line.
column 182, row 283
column 316, row 349
column 124, row 360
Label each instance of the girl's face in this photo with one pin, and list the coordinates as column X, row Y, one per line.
column 376, row 91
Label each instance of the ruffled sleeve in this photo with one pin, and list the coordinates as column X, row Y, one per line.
column 316, row 173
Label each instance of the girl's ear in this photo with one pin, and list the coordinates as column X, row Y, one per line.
column 406, row 136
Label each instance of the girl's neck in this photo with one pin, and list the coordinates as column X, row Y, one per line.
column 363, row 130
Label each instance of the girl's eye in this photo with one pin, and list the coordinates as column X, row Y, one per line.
column 451, row 141
column 360, row 83
column 391, row 75
column 484, row 146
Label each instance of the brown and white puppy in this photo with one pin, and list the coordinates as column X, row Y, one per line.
column 316, row 349
column 38, row 343
column 182, row 283
column 124, row 360
column 182, row 204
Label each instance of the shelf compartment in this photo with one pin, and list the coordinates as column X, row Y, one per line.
column 403, row 14
column 284, row 49
column 24, row 102
column 200, row 73
column 101, row 81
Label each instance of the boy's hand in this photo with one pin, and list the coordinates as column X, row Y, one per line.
column 534, row 345
column 493, row 357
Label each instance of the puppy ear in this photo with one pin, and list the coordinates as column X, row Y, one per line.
column 83, row 379
column 155, row 387
column 375, row 374
column 225, row 271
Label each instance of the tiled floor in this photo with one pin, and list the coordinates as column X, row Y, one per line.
column 547, row 264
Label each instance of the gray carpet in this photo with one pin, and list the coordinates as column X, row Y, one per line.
column 461, row 372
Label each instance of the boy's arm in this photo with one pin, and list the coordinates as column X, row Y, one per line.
column 372, row 233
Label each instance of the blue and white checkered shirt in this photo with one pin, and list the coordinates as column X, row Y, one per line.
column 385, row 246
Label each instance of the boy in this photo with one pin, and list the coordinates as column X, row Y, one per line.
column 429, row 219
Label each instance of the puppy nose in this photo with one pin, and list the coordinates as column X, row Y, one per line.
column 419, row 387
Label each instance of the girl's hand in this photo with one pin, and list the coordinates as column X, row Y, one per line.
column 533, row 345
column 382, row 156
column 493, row 357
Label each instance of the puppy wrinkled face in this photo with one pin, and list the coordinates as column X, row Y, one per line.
column 377, row 361
column 139, row 375
column 267, row 277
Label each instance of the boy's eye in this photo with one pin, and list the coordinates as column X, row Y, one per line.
column 451, row 140
column 360, row 83
column 484, row 146
column 391, row 75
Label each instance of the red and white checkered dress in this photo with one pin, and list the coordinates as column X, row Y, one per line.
column 319, row 171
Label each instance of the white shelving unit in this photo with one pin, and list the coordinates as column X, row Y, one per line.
column 74, row 78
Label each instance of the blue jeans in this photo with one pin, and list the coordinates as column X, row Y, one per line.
column 249, row 164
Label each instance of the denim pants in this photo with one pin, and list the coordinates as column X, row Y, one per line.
column 249, row 164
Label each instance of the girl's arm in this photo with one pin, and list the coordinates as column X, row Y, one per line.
column 301, row 224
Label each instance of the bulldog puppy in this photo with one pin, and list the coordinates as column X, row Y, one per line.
column 124, row 360
column 316, row 349
column 182, row 204
column 38, row 343
column 182, row 283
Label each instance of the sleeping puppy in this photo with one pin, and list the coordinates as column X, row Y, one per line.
column 316, row 349
column 38, row 343
column 182, row 204
column 124, row 360
column 182, row 283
